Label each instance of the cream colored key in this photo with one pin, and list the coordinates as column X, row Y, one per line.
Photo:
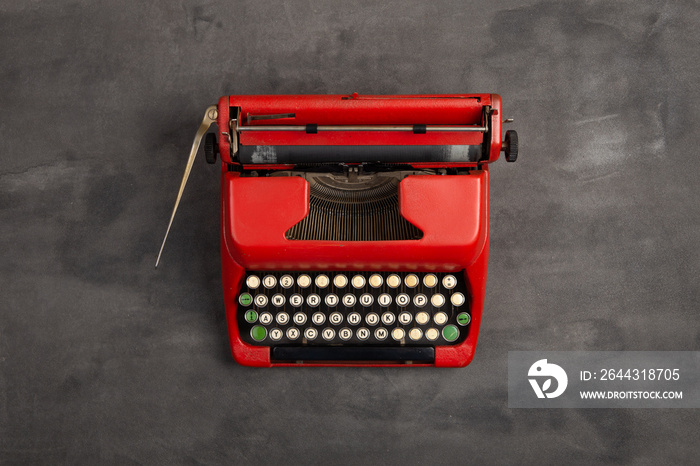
column 457, row 299
column 430, row 280
column 340, row 281
column 253, row 282
column 304, row 281
column 432, row 334
column 372, row 318
column 384, row 299
column 293, row 333
column 440, row 318
column 375, row 280
column 398, row 334
column 322, row 281
column 358, row 281
column 411, row 281
column 363, row 333
column 276, row 334
column 269, row 281
column 415, row 334
column 393, row 281
column 366, row 299
column 286, row 281
column 310, row 333
column 437, row 300
column 345, row 333
column 449, row 281
column 422, row 318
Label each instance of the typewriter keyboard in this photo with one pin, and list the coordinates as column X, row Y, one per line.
column 353, row 308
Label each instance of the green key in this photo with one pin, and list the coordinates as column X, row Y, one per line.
column 464, row 318
column 258, row 333
column 450, row 333
column 251, row 316
column 245, row 299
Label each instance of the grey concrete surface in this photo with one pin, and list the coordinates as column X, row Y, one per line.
column 595, row 230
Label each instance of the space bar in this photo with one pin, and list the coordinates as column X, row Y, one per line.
column 353, row 353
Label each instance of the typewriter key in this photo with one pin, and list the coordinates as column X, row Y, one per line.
column 463, row 318
column 403, row 300
column 258, row 333
column 331, row 300
column 440, row 318
column 276, row 334
column 362, row 334
column 381, row 333
column 437, row 300
column 245, row 299
column 278, row 300
column 372, row 318
column 345, row 333
column 296, row 300
column 335, row 318
column 411, row 281
column 266, row 318
column 354, row 318
column 286, row 281
column 253, row 282
column 384, row 300
column 375, row 280
column 432, row 334
column 366, row 299
column 340, row 281
column 422, row 318
column 393, row 281
column 328, row 333
column 415, row 334
column 261, row 300
column 300, row 318
column 358, row 281
column 313, row 300
column 457, row 299
column 293, row 333
column 269, row 281
column 304, row 281
column 430, row 280
column 310, row 333
column 420, row 300
column 450, row 333
column 251, row 316
column 318, row 318
column 398, row 334
column 322, row 281
column 405, row 318
column 449, row 281
column 282, row 318
column 349, row 300
column 388, row 318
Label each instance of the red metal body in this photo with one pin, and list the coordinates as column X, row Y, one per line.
column 451, row 210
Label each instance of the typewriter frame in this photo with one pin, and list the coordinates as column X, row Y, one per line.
column 453, row 241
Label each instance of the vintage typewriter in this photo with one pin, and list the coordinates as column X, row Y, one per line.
column 354, row 228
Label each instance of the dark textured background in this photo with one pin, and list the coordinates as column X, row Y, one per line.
column 595, row 231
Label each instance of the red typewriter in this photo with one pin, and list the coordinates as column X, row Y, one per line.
column 354, row 228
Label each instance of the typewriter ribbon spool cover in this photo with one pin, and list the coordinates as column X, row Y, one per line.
column 354, row 229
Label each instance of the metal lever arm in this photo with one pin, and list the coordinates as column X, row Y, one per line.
column 209, row 117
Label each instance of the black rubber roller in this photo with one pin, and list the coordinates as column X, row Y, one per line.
column 510, row 146
column 211, row 147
